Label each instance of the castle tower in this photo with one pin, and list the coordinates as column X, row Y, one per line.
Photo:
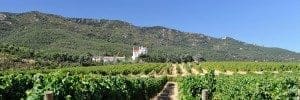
column 137, row 51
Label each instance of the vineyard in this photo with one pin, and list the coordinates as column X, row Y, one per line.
column 249, row 87
column 223, row 80
column 125, row 69
column 78, row 87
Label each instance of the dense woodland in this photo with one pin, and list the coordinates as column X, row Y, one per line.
column 13, row 56
column 55, row 36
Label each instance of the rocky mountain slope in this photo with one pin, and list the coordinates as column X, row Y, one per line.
column 50, row 33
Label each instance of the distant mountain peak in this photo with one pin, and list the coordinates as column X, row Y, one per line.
column 54, row 33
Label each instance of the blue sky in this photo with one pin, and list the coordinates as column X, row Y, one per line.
column 271, row 23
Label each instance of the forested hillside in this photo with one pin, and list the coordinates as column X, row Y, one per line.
column 48, row 33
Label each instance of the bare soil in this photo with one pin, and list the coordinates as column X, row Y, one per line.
column 228, row 73
column 217, row 72
column 170, row 92
column 258, row 72
column 184, row 72
column 242, row 72
column 194, row 71
column 174, row 70
column 204, row 71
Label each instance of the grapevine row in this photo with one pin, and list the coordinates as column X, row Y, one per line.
column 79, row 86
column 250, row 66
column 125, row 69
column 240, row 87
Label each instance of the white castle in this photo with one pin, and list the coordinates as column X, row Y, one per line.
column 137, row 51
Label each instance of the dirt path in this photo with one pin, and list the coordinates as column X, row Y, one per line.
column 228, row 73
column 217, row 72
column 194, row 71
column 174, row 70
column 165, row 72
column 205, row 71
column 161, row 72
column 258, row 72
column 242, row 72
column 184, row 72
column 170, row 92
column 275, row 72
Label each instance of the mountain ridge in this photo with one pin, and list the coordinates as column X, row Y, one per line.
column 51, row 33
